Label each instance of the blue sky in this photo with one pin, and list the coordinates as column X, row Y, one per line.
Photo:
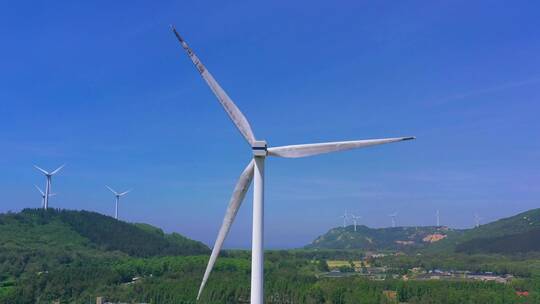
column 104, row 87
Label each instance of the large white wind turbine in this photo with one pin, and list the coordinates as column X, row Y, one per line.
column 48, row 177
column 255, row 171
column 118, row 196
column 393, row 217
column 43, row 196
column 355, row 219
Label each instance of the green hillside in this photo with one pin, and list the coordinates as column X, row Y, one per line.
column 365, row 238
column 514, row 243
column 88, row 233
column 73, row 257
column 515, row 234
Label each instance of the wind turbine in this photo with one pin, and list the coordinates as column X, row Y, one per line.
column 118, row 196
column 48, row 177
column 43, row 196
column 344, row 217
column 438, row 215
column 393, row 217
column 355, row 218
column 477, row 220
column 255, row 171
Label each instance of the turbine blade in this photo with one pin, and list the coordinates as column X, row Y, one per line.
column 114, row 192
column 39, row 189
column 232, row 110
column 295, row 151
column 125, row 192
column 57, row 170
column 237, row 197
column 42, row 171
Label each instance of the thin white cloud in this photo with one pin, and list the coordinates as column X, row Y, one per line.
column 501, row 87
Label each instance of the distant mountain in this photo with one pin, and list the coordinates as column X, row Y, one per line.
column 365, row 238
column 516, row 234
column 89, row 233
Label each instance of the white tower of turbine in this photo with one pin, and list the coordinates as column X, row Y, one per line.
column 117, row 196
column 43, row 196
column 255, row 171
column 355, row 219
column 48, row 181
column 438, row 216
column 393, row 216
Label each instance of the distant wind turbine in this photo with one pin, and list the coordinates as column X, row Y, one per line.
column 118, row 196
column 344, row 217
column 255, row 171
column 477, row 220
column 43, row 195
column 355, row 219
column 437, row 214
column 393, row 216
column 48, row 177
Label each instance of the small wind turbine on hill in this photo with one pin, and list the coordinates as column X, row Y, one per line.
column 43, row 196
column 355, row 219
column 118, row 196
column 255, row 171
column 393, row 216
column 477, row 220
column 48, row 176
column 437, row 215
column 344, row 217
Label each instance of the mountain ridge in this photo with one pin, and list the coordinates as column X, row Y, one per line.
column 514, row 234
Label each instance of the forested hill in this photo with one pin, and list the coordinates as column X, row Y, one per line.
column 84, row 232
column 516, row 234
column 365, row 238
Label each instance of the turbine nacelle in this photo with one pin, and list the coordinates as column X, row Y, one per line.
column 260, row 148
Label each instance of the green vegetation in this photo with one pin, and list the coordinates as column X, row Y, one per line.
column 73, row 257
column 90, row 230
column 36, row 245
column 512, row 235
column 508, row 244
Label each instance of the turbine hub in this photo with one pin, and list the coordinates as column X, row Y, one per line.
column 260, row 148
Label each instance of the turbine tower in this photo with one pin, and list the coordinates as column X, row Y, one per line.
column 393, row 216
column 355, row 219
column 438, row 215
column 255, row 171
column 43, row 195
column 48, row 177
column 118, row 196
